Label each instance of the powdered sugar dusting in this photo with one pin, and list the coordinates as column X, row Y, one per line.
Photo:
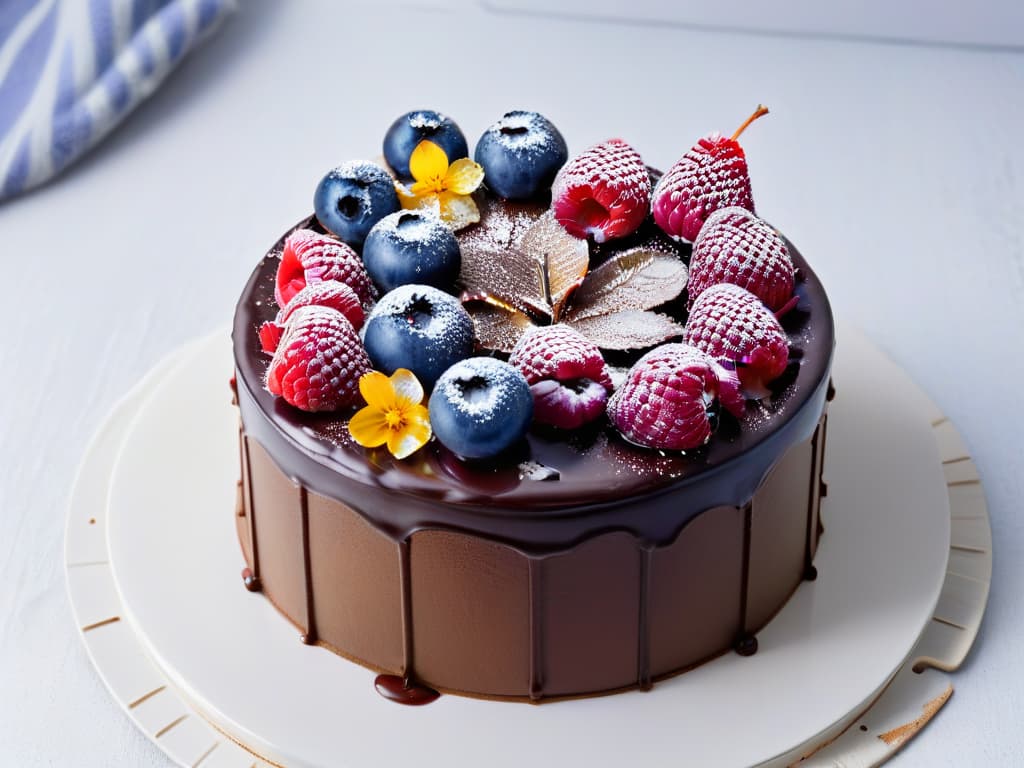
column 630, row 329
column 639, row 278
column 425, row 121
column 422, row 229
column 310, row 257
column 433, row 315
column 521, row 131
column 480, row 387
column 602, row 193
column 664, row 402
column 711, row 175
column 731, row 324
column 318, row 361
column 511, row 254
column 737, row 247
column 558, row 352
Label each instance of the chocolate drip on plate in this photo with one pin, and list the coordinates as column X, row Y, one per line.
column 402, row 691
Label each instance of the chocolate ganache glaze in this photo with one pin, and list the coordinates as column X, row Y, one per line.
column 549, row 517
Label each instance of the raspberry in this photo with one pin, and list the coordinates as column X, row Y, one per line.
column 669, row 397
column 270, row 336
column 319, row 361
column 329, row 293
column 737, row 247
column 561, row 353
column 711, row 175
column 605, row 192
column 310, row 257
column 731, row 324
column 566, row 373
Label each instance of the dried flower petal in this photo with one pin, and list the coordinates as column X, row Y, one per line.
column 442, row 188
column 464, row 176
column 428, row 164
column 535, row 269
column 631, row 329
column 457, row 211
column 405, row 384
column 497, row 328
column 404, row 442
column 370, row 426
column 635, row 279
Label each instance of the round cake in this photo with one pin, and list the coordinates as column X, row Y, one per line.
column 622, row 527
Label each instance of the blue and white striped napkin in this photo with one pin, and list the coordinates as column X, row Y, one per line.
column 70, row 70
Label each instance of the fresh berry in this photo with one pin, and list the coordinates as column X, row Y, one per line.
column 412, row 128
column 712, row 175
column 480, row 407
column 604, row 193
column 329, row 293
column 310, row 258
column 737, row 247
column 270, row 336
column 520, row 154
column 731, row 325
column 566, row 373
column 318, row 362
column 670, row 398
column 412, row 247
column 420, row 328
column 353, row 197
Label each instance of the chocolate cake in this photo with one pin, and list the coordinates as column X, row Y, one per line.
column 572, row 562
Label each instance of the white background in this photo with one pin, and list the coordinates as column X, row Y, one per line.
column 896, row 168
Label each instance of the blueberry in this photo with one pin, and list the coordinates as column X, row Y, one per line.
column 521, row 153
column 412, row 128
column 352, row 198
column 420, row 328
column 480, row 407
column 412, row 247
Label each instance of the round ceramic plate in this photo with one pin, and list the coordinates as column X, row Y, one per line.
column 822, row 661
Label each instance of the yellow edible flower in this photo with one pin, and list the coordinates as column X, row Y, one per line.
column 445, row 188
column 394, row 413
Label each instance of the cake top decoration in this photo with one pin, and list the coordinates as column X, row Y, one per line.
column 394, row 414
column 711, row 175
column 604, row 193
column 520, row 154
column 442, row 186
column 541, row 275
column 560, row 265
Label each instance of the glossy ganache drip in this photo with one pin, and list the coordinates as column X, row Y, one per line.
column 600, row 476
column 402, row 690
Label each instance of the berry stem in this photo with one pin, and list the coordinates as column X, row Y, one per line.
column 761, row 111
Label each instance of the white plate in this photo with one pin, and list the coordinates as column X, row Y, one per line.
column 115, row 650
column 821, row 662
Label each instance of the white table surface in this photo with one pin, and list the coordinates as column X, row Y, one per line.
column 897, row 169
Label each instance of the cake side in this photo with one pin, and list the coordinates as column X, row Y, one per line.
column 466, row 614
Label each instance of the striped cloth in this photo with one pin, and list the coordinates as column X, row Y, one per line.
column 70, row 70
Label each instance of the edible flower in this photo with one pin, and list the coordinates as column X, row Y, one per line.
column 444, row 188
column 394, row 413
